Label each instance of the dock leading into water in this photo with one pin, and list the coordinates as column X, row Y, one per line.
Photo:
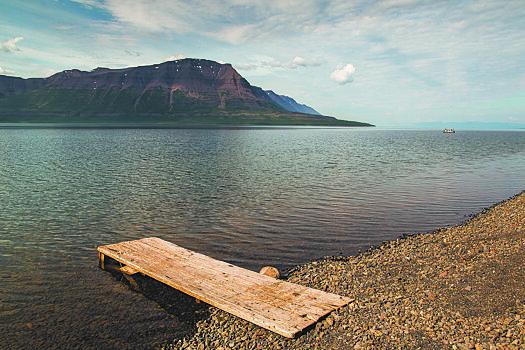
column 277, row 305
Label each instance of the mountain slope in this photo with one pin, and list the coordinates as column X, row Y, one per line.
column 182, row 91
column 13, row 85
column 289, row 103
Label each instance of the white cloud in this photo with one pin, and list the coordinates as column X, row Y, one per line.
column 175, row 58
column 232, row 21
column 272, row 63
column 235, row 34
column 10, row 45
column 301, row 62
column 247, row 66
column 64, row 27
column 88, row 3
column 298, row 61
column 5, row 71
column 344, row 74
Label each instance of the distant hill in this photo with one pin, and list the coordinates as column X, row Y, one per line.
column 289, row 103
column 187, row 91
column 471, row 125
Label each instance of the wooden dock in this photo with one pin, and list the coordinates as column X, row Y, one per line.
column 282, row 307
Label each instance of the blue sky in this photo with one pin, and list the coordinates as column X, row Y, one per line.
column 392, row 63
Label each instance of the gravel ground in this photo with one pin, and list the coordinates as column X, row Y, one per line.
column 456, row 288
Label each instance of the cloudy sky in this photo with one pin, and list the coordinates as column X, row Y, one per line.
column 389, row 62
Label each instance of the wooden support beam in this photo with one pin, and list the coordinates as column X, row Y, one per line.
column 101, row 260
column 128, row 270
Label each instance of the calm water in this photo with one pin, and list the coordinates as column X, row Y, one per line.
column 251, row 196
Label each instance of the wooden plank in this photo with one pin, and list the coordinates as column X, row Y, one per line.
column 229, row 267
column 238, row 281
column 277, row 305
column 264, row 291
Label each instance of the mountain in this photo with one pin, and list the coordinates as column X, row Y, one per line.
column 289, row 103
column 187, row 91
column 12, row 85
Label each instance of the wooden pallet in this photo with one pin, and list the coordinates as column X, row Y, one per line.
column 279, row 306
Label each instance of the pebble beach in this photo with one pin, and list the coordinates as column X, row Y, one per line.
column 459, row 287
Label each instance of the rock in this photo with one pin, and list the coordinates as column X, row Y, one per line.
column 270, row 271
column 358, row 346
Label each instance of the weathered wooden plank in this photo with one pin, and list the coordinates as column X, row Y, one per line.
column 280, row 306
column 238, row 282
column 242, row 282
column 202, row 282
column 230, row 266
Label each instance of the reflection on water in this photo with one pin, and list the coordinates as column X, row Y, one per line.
column 251, row 196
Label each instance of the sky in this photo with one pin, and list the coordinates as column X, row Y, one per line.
column 393, row 63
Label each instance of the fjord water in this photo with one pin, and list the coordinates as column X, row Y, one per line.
column 250, row 196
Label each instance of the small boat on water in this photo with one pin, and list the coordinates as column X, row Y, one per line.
column 449, row 131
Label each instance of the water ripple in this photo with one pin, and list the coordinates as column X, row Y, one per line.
column 254, row 197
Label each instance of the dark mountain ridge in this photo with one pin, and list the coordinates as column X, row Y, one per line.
column 181, row 91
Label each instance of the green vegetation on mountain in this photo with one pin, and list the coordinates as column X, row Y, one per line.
column 187, row 91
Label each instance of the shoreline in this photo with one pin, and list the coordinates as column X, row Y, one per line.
column 459, row 287
column 79, row 125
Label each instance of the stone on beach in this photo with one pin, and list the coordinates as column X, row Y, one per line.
column 270, row 271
